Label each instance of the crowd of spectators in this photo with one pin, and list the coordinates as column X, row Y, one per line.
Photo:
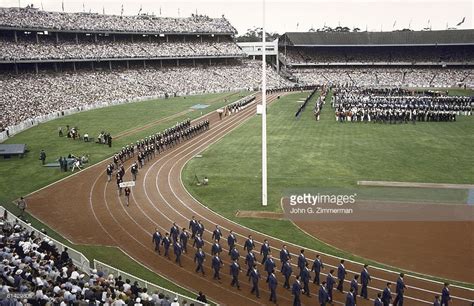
column 34, row 272
column 378, row 54
column 421, row 77
column 25, row 96
column 11, row 51
column 39, row 19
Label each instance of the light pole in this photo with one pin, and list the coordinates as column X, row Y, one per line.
column 264, row 112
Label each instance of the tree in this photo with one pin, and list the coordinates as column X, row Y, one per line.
column 255, row 34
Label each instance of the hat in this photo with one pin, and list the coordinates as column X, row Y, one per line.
column 19, row 271
column 138, row 300
column 175, row 299
column 74, row 290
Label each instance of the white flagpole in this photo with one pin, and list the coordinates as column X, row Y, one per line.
column 264, row 114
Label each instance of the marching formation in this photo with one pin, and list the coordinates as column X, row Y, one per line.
column 305, row 270
column 397, row 106
column 147, row 148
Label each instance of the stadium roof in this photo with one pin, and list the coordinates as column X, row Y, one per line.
column 404, row 38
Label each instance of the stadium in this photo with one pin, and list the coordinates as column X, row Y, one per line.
column 139, row 166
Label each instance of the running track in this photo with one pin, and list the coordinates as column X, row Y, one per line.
column 87, row 210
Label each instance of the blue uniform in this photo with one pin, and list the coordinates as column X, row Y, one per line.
column 234, row 271
column 296, row 291
column 301, row 262
column 264, row 250
column 305, row 278
column 378, row 302
column 249, row 245
column 198, row 242
column 269, row 266
column 316, row 268
column 234, row 254
column 156, row 239
column 250, row 260
column 341, row 275
column 178, row 250
column 364, row 279
column 284, row 256
column 287, row 270
column 166, row 242
column 254, row 277
column 400, row 290
column 183, row 239
column 193, row 227
column 445, row 297
column 231, row 241
column 174, row 233
column 199, row 259
column 330, row 281
column 216, row 234
column 272, row 285
column 216, row 248
column 216, row 266
column 386, row 297
column 323, row 296
column 350, row 299
column 355, row 286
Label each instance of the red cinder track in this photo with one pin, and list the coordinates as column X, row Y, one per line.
column 87, row 210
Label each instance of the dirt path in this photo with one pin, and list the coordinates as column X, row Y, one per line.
column 160, row 199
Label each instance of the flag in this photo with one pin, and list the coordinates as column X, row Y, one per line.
column 160, row 10
column 394, row 23
column 62, row 4
column 103, row 10
column 461, row 22
column 140, row 10
column 42, row 6
column 121, row 12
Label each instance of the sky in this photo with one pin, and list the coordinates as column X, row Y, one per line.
column 288, row 16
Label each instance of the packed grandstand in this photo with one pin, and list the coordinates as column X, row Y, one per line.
column 111, row 58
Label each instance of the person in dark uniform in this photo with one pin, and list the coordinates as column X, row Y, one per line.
column 217, row 234
column 284, row 255
column 445, row 295
column 183, row 239
column 287, row 270
column 378, row 300
column 301, row 261
column 305, row 279
column 323, row 296
column 437, row 301
column 156, row 239
column 272, row 285
column 127, row 195
column 231, row 240
column 166, row 242
column 200, row 228
column 387, row 295
column 178, row 250
column 216, row 248
column 365, row 280
column 341, row 275
column 355, row 287
column 269, row 265
column 109, row 140
column 400, row 290
column 250, row 260
column 216, row 265
column 330, row 281
column 255, row 277
column 234, row 254
column 296, row 291
column 198, row 242
column 134, row 171
column 234, row 272
column 249, row 244
column 264, row 250
column 174, row 232
column 350, row 301
column 42, row 157
column 316, row 268
column 199, row 259
column 193, row 227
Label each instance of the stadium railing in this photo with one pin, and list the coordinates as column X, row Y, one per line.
column 79, row 259
column 100, row 266
column 15, row 129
